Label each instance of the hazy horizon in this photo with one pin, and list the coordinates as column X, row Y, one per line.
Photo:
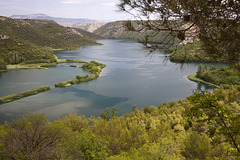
column 105, row 10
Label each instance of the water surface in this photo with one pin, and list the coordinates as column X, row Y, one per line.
column 129, row 78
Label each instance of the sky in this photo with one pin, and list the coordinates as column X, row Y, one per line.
column 105, row 10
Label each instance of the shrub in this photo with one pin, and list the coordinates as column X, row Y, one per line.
column 3, row 64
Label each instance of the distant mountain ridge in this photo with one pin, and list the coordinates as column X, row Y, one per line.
column 56, row 19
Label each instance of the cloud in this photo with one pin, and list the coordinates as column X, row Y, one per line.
column 72, row 1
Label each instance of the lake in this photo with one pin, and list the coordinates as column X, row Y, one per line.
column 130, row 78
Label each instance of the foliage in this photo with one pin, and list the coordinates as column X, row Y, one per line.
column 73, row 61
column 3, row 64
column 198, row 80
column 192, row 52
column 92, row 147
column 87, row 145
column 105, row 114
column 213, row 22
column 225, row 76
column 33, row 137
column 93, row 67
column 221, row 111
column 13, row 52
column 197, row 146
column 203, row 126
column 114, row 112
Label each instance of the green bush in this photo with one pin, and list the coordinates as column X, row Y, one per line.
column 3, row 64
column 93, row 67
column 62, row 84
column 81, row 77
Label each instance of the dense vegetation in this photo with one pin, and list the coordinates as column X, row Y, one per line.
column 32, row 41
column 225, row 76
column 192, row 52
column 173, row 130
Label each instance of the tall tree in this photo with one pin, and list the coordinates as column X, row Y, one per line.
column 214, row 22
column 114, row 112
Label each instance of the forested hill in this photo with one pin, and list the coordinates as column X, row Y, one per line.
column 22, row 40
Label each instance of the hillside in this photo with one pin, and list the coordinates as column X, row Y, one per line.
column 118, row 30
column 29, row 39
column 90, row 27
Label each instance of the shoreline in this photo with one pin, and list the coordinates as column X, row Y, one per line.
column 198, row 80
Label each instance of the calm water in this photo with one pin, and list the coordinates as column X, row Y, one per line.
column 129, row 78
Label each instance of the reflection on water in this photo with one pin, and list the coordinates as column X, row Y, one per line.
column 58, row 102
column 129, row 78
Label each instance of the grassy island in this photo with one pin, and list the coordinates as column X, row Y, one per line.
column 195, row 79
column 94, row 67
column 27, row 93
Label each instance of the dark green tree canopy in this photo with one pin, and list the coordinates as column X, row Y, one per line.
column 214, row 22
